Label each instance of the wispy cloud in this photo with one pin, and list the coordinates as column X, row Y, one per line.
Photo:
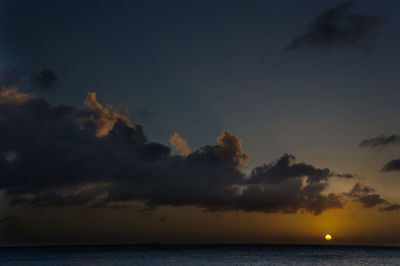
column 383, row 141
column 336, row 26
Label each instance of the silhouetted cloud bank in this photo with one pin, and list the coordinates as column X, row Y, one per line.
column 59, row 155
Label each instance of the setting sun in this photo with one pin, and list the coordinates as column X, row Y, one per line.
column 328, row 237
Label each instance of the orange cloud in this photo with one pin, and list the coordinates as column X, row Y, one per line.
column 13, row 95
column 104, row 118
column 232, row 145
column 179, row 144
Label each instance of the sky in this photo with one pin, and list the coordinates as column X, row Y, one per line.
column 199, row 122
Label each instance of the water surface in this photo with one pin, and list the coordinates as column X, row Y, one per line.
column 201, row 255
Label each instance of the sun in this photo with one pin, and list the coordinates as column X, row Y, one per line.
column 328, row 237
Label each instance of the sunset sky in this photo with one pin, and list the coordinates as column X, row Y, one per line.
column 199, row 122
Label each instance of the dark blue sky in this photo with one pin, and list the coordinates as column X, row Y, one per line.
column 207, row 66
column 202, row 67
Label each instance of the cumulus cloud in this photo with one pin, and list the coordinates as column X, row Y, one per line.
column 231, row 146
column 285, row 168
column 336, row 26
column 179, row 144
column 97, row 157
column 104, row 118
column 290, row 186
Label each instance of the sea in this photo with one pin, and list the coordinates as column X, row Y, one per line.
column 201, row 255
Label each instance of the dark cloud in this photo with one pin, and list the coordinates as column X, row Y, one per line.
column 344, row 175
column 392, row 207
column 288, row 186
column 368, row 198
column 381, row 141
column 393, row 165
column 285, row 168
column 288, row 196
column 96, row 157
column 336, row 26
column 44, row 80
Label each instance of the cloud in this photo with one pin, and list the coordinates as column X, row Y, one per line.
column 336, row 26
column 104, row 118
column 368, row 198
column 231, row 146
column 44, row 80
column 12, row 95
column 381, row 140
column 285, row 168
column 96, row 157
column 290, row 186
column 392, row 207
column 288, row 196
column 393, row 165
column 179, row 144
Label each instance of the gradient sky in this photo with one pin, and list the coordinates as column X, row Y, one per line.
column 311, row 79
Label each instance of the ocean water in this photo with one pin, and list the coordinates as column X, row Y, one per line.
column 201, row 255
